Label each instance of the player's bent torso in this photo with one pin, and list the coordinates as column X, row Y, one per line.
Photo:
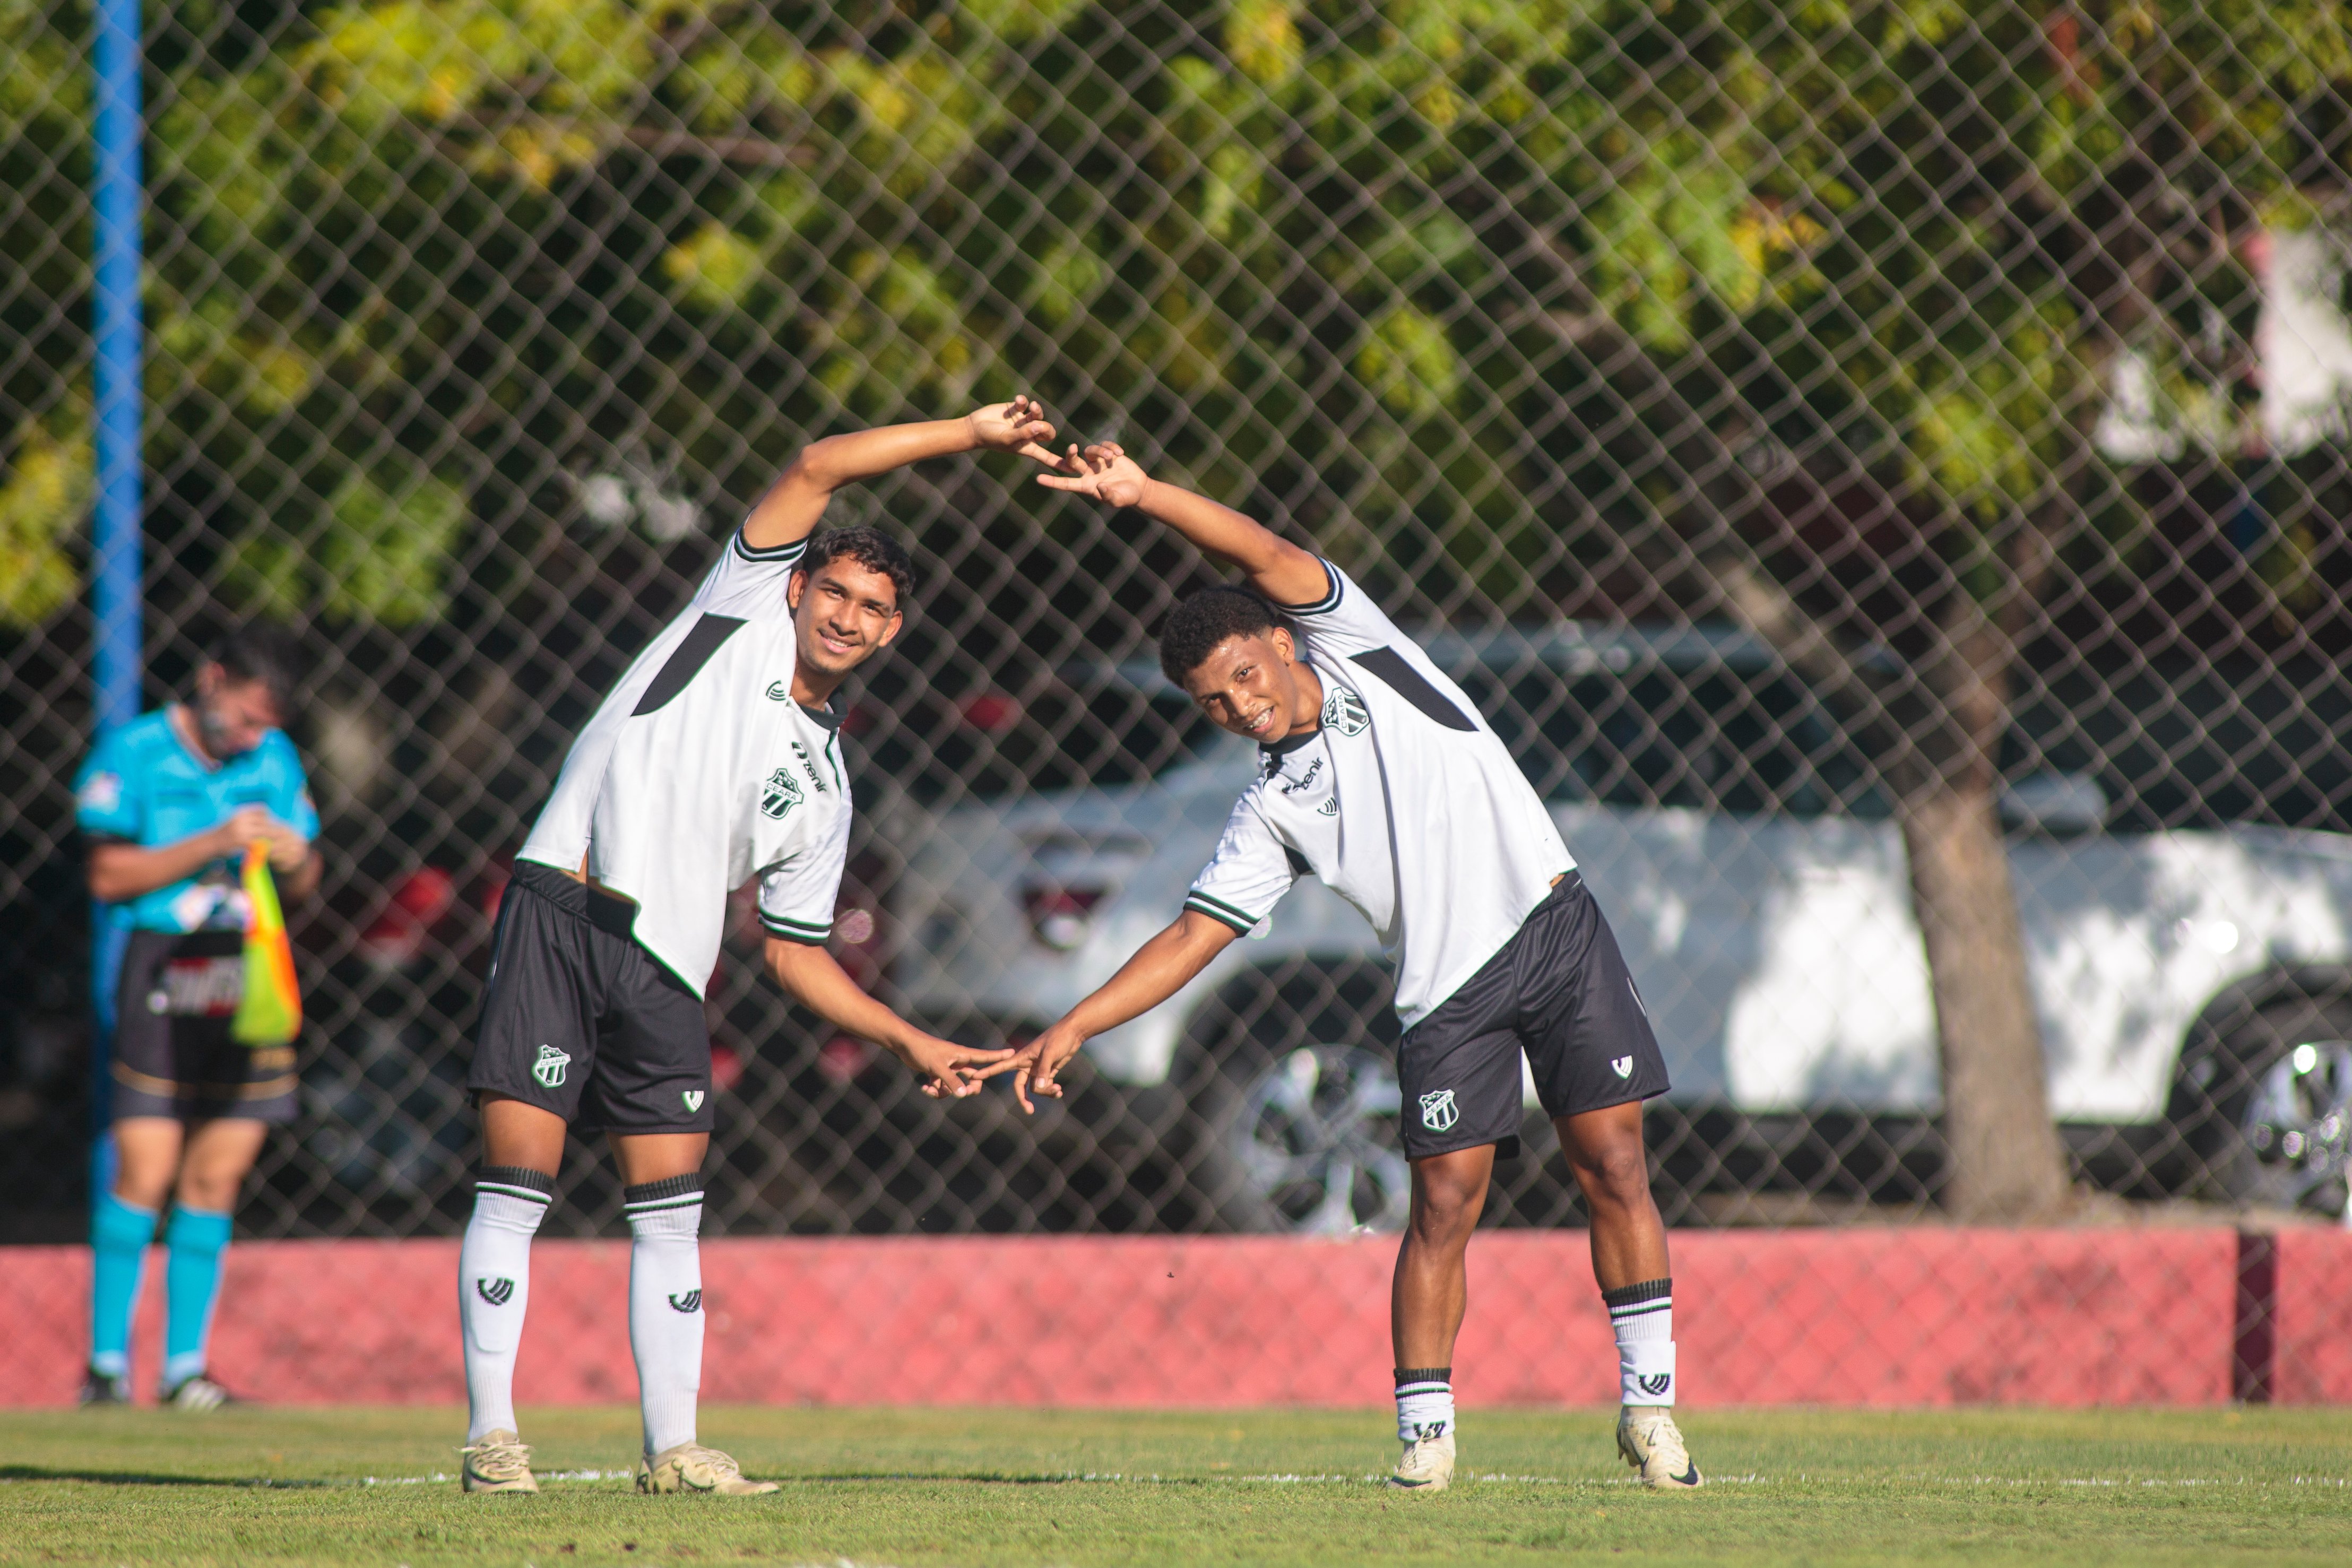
column 699, row 770
column 1401, row 800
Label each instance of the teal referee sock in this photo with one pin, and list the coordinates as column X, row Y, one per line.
column 192, row 1276
column 120, row 1233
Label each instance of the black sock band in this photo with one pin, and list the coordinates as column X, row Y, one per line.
column 1405, row 1375
column 1634, row 1295
column 516, row 1182
column 667, row 1192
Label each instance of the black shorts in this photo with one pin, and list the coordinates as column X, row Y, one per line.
column 172, row 1053
column 1559, row 991
column 579, row 1020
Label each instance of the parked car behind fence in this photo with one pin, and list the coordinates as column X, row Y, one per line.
column 2188, row 957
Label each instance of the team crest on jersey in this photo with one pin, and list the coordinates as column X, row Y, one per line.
column 1343, row 712
column 781, row 793
column 549, row 1067
column 1438, row 1110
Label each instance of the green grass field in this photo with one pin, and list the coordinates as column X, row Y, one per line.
column 984, row 1487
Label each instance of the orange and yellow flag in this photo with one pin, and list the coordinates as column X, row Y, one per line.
column 270, row 1012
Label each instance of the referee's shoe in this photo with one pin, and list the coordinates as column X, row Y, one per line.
column 1653, row 1444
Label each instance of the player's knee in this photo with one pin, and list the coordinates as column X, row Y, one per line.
column 1617, row 1174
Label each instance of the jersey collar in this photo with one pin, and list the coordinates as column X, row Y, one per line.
column 824, row 717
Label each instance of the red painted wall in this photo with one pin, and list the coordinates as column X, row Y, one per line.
column 1914, row 1316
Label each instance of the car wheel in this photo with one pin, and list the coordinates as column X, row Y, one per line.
column 1290, row 1111
column 2276, row 1126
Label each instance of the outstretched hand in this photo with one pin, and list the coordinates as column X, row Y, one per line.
column 952, row 1071
column 1102, row 470
column 1035, row 1065
column 1017, row 426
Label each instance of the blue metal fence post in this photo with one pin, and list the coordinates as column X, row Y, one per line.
column 117, row 200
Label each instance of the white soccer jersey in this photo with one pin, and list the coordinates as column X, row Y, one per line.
column 1402, row 801
column 700, row 771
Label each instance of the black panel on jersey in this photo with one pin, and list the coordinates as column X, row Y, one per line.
column 1298, row 862
column 1413, row 686
column 686, row 661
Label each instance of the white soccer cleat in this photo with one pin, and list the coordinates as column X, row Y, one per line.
column 691, row 1467
column 1653, row 1444
column 499, row 1462
column 1426, row 1465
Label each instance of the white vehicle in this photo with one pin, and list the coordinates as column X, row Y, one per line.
column 2186, row 979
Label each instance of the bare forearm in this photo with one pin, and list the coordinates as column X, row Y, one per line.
column 817, row 980
column 118, row 872
column 1161, row 968
column 791, row 508
column 300, row 883
column 1277, row 567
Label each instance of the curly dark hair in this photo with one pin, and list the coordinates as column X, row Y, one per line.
column 870, row 548
column 1205, row 619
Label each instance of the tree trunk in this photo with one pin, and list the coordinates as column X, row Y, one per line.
column 2005, row 1160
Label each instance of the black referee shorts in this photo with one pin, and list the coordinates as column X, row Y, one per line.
column 1559, row 991
column 174, row 1055
column 579, row 1020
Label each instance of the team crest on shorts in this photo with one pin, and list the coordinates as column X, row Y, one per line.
column 1343, row 711
column 549, row 1067
column 780, row 794
column 1438, row 1110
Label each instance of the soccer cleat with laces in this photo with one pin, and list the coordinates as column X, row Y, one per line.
column 691, row 1467
column 499, row 1462
column 198, row 1393
column 1653, row 1444
column 1426, row 1465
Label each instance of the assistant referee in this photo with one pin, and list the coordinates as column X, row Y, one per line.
column 167, row 805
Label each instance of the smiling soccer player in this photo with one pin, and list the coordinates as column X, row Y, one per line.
column 1376, row 774
column 716, row 759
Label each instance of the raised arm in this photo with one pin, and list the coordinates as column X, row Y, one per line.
column 1161, row 968
column 1277, row 567
column 791, row 508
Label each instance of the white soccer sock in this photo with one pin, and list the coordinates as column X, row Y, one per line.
column 666, row 1304
column 1424, row 1396
column 1643, row 1317
column 494, row 1287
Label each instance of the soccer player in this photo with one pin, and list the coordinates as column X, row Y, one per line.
column 168, row 804
column 715, row 759
column 1376, row 774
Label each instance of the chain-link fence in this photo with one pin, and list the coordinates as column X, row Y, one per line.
column 1880, row 465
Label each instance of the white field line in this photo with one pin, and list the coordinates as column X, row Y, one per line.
column 1120, row 1478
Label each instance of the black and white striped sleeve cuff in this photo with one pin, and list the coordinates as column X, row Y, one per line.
column 1217, row 909
column 779, row 555
column 1328, row 602
column 814, row 933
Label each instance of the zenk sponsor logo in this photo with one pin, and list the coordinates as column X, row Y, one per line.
column 808, row 766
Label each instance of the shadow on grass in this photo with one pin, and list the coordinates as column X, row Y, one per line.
column 148, row 1478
